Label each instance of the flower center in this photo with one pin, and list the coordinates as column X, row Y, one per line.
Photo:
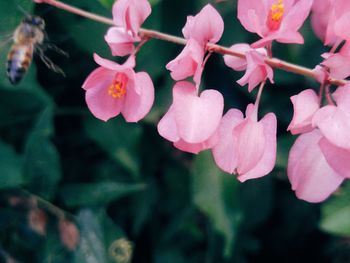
column 117, row 89
column 275, row 15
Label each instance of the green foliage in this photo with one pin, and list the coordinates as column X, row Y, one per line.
column 336, row 213
column 75, row 195
column 10, row 167
column 213, row 193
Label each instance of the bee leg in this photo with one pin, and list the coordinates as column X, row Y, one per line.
column 58, row 50
column 48, row 62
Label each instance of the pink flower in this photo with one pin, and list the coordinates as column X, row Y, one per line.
column 277, row 20
column 206, row 26
column 120, row 41
column 312, row 178
column 338, row 63
column 128, row 16
column 188, row 62
column 338, row 23
column 246, row 146
column 334, row 121
column 257, row 70
column 192, row 121
column 112, row 89
column 305, row 106
column 320, row 14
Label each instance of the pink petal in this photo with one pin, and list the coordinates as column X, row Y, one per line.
column 250, row 144
column 108, row 63
column 337, row 158
column 197, row 118
column 102, row 105
column 130, row 14
column 252, row 14
column 342, row 96
column 339, row 65
column 257, row 70
column 224, row 152
column 138, row 104
column 206, row 26
column 120, row 41
column 236, row 63
column 334, row 123
column 341, row 26
column 305, row 105
column 99, row 77
column 266, row 163
column 188, row 62
column 311, row 177
column 167, row 127
column 197, row 147
column 295, row 18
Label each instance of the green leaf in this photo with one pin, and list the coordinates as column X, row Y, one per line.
column 336, row 213
column 42, row 168
column 97, row 235
column 210, row 189
column 119, row 139
column 97, row 194
column 107, row 3
column 10, row 167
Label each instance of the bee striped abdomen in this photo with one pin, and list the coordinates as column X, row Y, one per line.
column 18, row 62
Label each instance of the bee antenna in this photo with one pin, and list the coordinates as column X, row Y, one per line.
column 20, row 8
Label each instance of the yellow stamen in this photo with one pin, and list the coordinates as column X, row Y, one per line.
column 275, row 15
column 277, row 11
column 118, row 87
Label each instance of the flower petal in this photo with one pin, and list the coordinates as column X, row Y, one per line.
column 206, row 26
column 337, row 158
column 197, row 118
column 99, row 77
column 102, row 105
column 334, row 123
column 305, row 105
column 137, row 105
column 268, row 159
column 224, row 152
column 311, row 176
column 120, row 41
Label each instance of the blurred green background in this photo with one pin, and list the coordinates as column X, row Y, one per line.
column 75, row 189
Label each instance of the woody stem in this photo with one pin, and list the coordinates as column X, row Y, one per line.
column 147, row 33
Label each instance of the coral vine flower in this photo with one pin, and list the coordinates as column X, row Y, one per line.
column 311, row 176
column 192, row 121
column 305, row 106
column 206, row 26
column 188, row 62
column 246, row 146
column 320, row 15
column 112, row 89
column 338, row 63
column 277, row 20
column 338, row 23
column 257, row 70
column 334, row 121
column 128, row 16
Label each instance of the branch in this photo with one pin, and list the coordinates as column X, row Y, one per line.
column 147, row 33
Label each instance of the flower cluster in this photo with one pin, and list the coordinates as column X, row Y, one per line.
column 319, row 160
column 112, row 88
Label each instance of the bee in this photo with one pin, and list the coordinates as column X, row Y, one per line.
column 28, row 39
